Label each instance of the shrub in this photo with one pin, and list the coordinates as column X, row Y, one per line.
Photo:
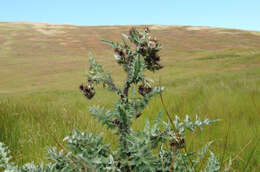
column 160, row 146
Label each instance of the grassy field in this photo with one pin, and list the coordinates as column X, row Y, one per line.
column 211, row 72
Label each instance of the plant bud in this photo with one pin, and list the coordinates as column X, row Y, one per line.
column 144, row 89
column 178, row 143
column 119, row 52
column 116, row 122
column 88, row 90
column 146, row 30
column 138, row 115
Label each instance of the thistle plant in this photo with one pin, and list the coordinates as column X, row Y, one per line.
column 159, row 147
column 135, row 151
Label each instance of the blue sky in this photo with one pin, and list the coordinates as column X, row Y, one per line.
column 243, row 14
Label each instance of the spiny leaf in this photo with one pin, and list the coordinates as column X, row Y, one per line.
column 109, row 43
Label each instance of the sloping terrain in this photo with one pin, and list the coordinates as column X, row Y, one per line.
column 35, row 54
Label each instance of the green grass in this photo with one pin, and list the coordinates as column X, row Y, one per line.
column 201, row 77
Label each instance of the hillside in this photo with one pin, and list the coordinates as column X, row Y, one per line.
column 208, row 71
column 34, row 54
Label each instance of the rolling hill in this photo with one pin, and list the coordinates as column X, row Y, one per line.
column 35, row 54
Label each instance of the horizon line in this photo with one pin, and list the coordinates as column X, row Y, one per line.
column 110, row 25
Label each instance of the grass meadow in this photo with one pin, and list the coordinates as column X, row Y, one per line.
column 206, row 73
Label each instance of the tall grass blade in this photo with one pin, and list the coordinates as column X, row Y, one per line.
column 251, row 155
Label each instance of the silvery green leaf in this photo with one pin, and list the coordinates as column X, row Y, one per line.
column 126, row 36
column 213, row 164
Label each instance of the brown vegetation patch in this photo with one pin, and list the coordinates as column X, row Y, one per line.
column 198, row 28
column 163, row 27
column 257, row 33
column 47, row 28
column 238, row 67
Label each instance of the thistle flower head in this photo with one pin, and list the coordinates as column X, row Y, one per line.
column 152, row 44
column 88, row 90
column 144, row 89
